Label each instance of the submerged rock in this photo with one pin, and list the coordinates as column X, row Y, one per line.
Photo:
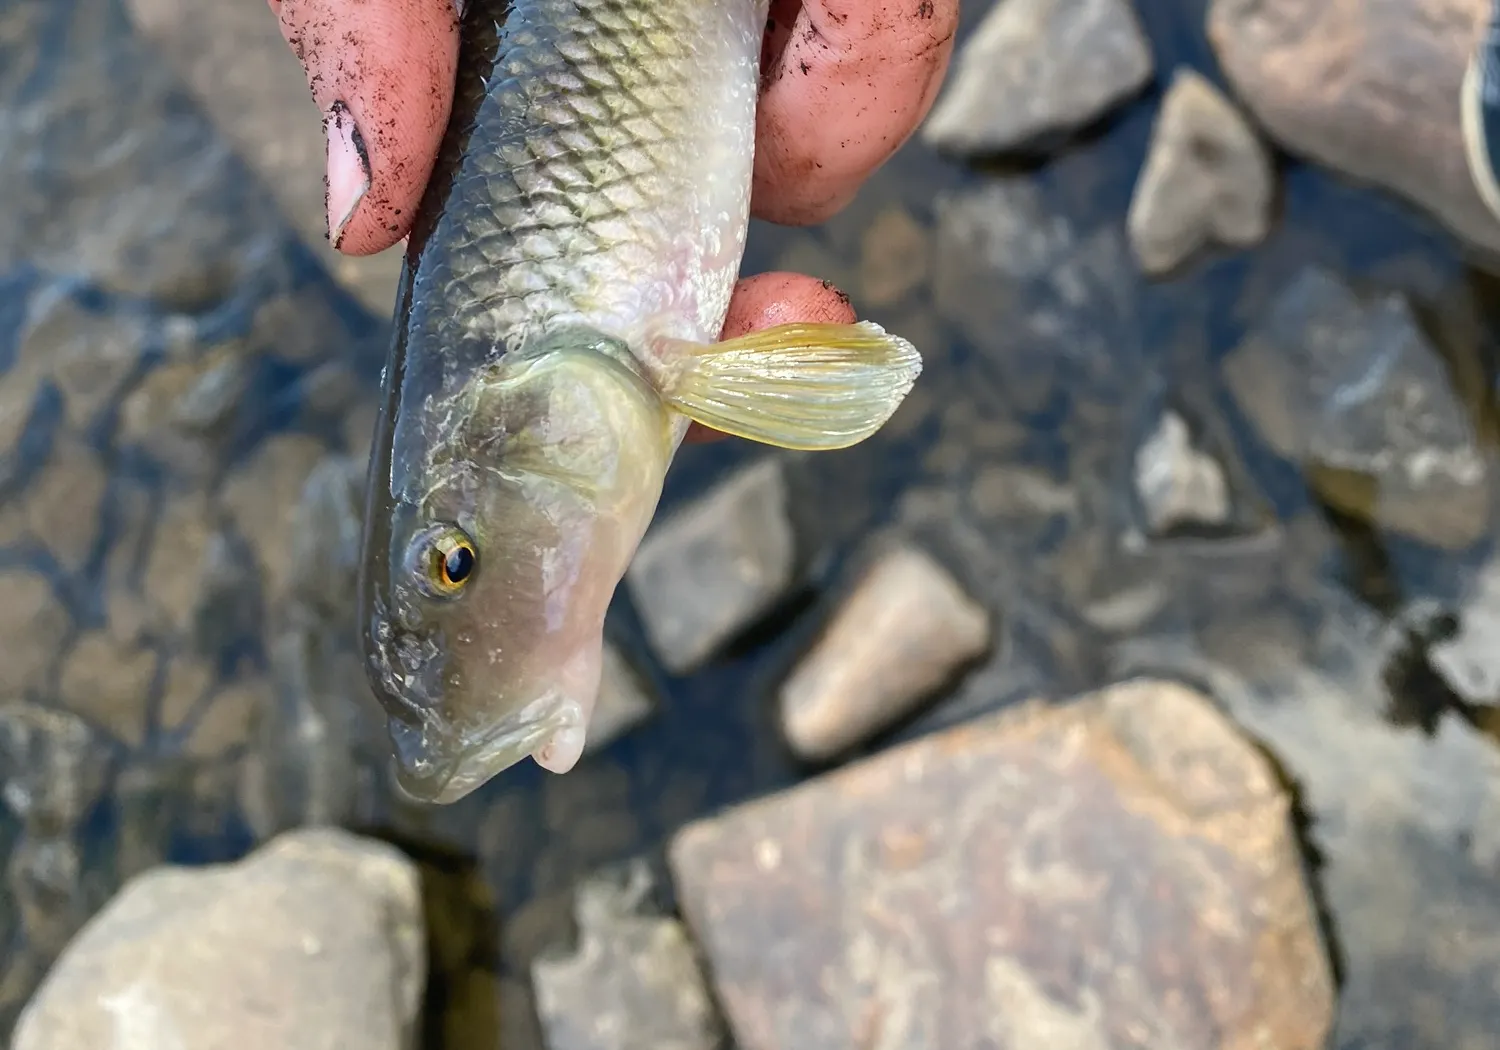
column 1371, row 90
column 904, row 629
column 1207, row 179
column 1470, row 660
column 1036, row 69
column 712, row 568
column 315, row 941
column 633, row 980
column 1117, row 872
column 1179, row 485
column 1356, row 393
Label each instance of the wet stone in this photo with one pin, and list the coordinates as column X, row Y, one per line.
column 136, row 192
column 225, row 725
column 710, row 569
column 182, row 412
column 903, row 631
column 89, row 355
column 33, row 629
column 1356, row 393
column 624, row 701
column 1178, row 484
column 895, row 257
column 1039, row 69
column 51, row 767
column 59, row 510
column 1371, row 90
column 44, row 878
column 1123, row 869
column 1207, row 179
column 261, row 497
column 632, row 981
column 314, row 941
column 1469, row 661
column 109, row 683
column 233, row 59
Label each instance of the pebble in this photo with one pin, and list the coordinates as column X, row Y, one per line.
column 261, row 497
column 59, row 510
column 903, row 631
column 1207, row 179
column 1469, row 661
column 1123, row 869
column 895, row 258
column 1354, row 391
column 89, row 355
column 51, row 767
column 1036, row 69
column 32, row 622
column 1371, row 90
column 233, row 59
column 624, row 701
column 632, row 981
column 109, row 683
column 313, row 942
column 711, row 568
column 1178, row 484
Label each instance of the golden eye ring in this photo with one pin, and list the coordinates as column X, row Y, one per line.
column 445, row 560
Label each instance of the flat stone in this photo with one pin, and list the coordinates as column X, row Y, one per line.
column 1354, row 391
column 904, row 630
column 32, row 620
column 1371, row 90
column 313, row 942
column 711, row 568
column 1178, row 484
column 261, row 497
column 109, row 683
column 182, row 412
column 59, row 510
column 1120, row 871
column 89, row 355
column 1207, row 179
column 226, row 723
column 1039, row 68
column 233, row 59
column 1470, row 660
column 632, row 981
column 624, row 701
column 895, row 257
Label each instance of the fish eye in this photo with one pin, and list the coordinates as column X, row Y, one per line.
column 443, row 559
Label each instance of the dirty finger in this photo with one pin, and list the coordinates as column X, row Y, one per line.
column 382, row 72
column 846, row 83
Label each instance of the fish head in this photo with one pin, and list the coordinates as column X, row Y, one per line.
column 484, row 589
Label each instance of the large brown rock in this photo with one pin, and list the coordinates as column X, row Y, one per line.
column 1370, row 87
column 1116, row 872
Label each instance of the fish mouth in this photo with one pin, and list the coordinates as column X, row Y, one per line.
column 436, row 765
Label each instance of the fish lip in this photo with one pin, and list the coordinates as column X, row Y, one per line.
column 477, row 759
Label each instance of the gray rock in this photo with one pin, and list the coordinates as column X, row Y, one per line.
column 903, row 631
column 1404, row 821
column 1178, row 484
column 633, row 980
column 710, row 569
column 1118, row 872
column 895, row 257
column 1355, row 392
column 51, row 767
column 1470, row 660
column 1207, row 179
column 1036, row 68
column 1371, row 90
column 315, row 941
column 233, row 59
column 624, row 701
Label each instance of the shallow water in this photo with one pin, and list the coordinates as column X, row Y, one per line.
column 175, row 365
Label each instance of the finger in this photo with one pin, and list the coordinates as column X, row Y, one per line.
column 770, row 299
column 846, row 83
column 382, row 72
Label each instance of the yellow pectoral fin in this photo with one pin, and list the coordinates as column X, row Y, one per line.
column 800, row 386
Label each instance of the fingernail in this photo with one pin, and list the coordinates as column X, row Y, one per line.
column 348, row 174
column 461, row 6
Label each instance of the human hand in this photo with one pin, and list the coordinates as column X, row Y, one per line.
column 383, row 73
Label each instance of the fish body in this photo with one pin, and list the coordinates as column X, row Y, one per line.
column 566, row 278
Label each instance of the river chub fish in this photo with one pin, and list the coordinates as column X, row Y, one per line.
column 566, row 279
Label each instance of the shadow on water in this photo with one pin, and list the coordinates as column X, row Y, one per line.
column 213, row 304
